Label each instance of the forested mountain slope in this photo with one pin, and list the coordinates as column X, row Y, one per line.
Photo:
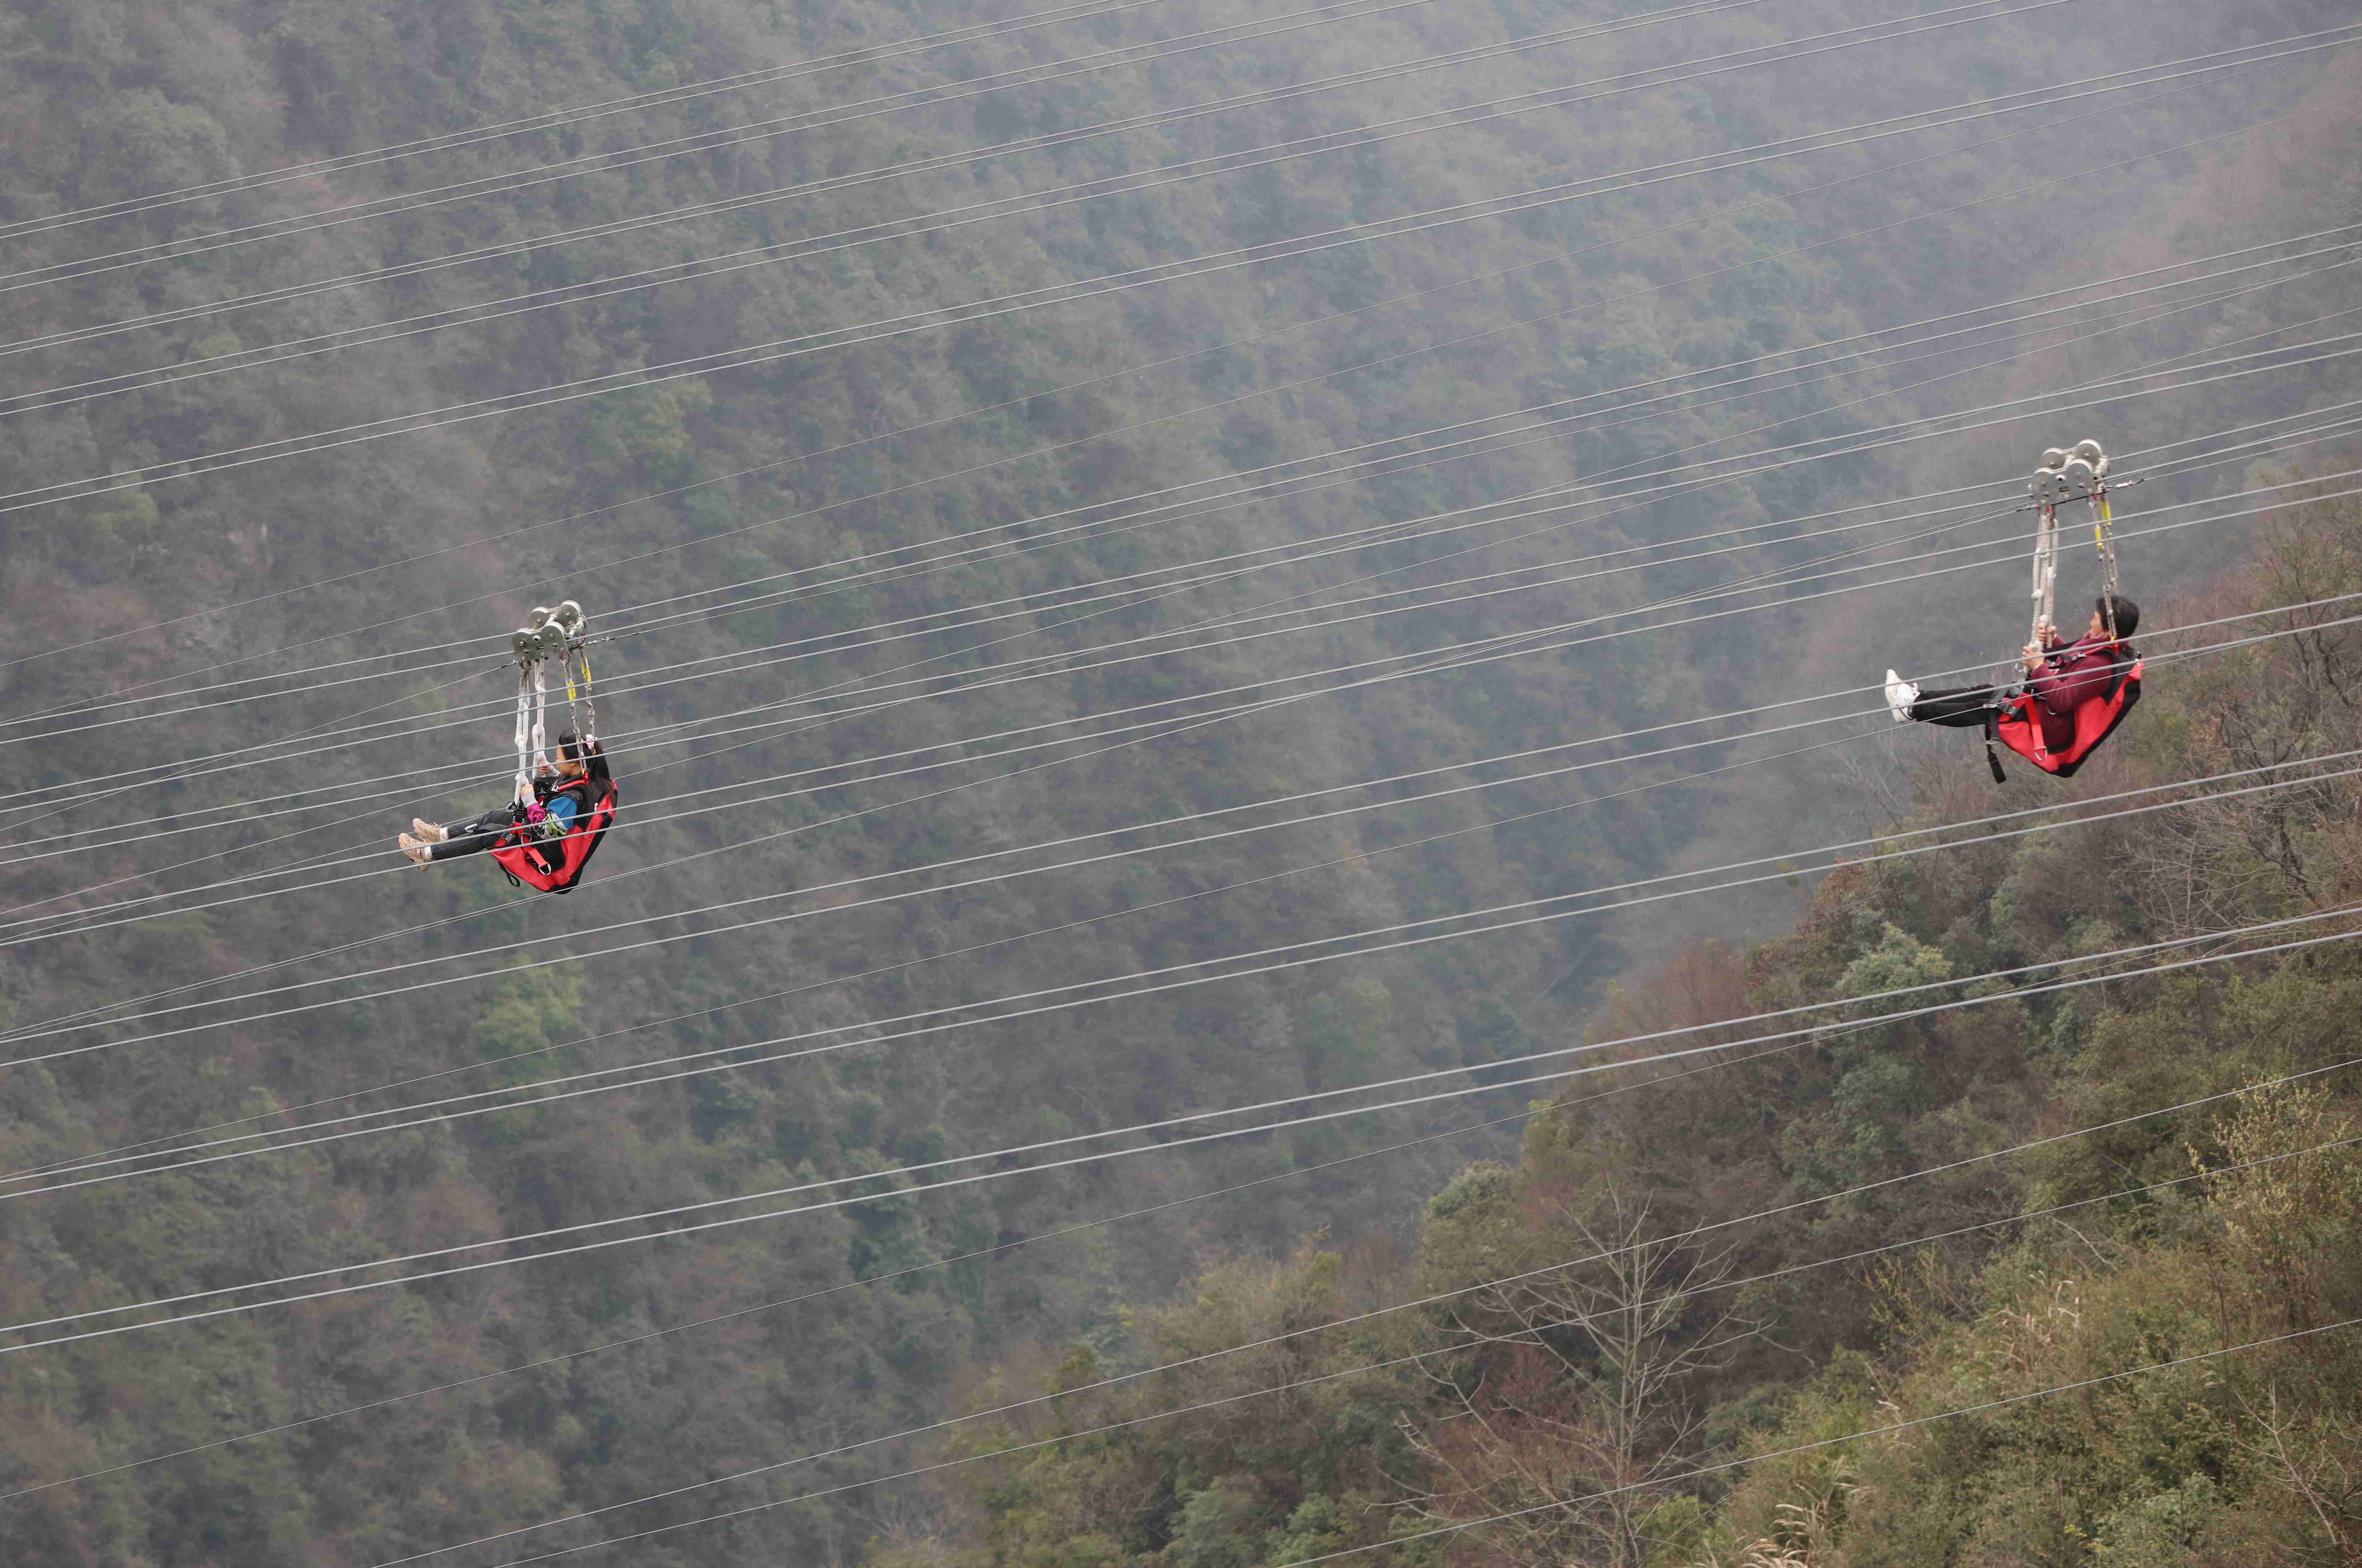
column 301, row 615
column 1806, row 1305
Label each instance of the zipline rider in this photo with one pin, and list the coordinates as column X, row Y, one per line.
column 559, row 797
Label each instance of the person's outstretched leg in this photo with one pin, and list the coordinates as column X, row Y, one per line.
column 1959, row 707
column 473, row 836
column 430, row 842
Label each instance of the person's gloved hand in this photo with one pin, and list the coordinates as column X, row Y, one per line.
column 536, row 813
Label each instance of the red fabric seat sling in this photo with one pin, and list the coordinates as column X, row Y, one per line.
column 556, row 867
column 2019, row 727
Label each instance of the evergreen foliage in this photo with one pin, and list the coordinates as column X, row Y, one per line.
column 712, row 494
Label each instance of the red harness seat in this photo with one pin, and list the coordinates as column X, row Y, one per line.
column 555, row 866
column 2019, row 726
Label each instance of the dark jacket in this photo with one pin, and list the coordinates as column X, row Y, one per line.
column 568, row 801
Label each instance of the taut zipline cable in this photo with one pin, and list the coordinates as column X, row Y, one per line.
column 1094, row 1157
column 551, row 119
column 709, row 141
column 1054, row 139
column 60, row 1177
column 15, row 931
column 1326, row 949
column 1557, row 1103
column 1359, row 1370
column 1414, row 295
column 1922, row 428
column 418, row 420
column 54, row 1027
column 81, row 1335
column 1032, row 203
column 1252, row 481
column 991, row 856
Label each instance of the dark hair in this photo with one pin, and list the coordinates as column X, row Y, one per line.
column 2126, row 617
column 574, row 748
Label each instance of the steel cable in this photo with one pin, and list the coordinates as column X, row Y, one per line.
column 67, row 1319
column 641, row 817
column 965, row 157
column 766, row 352
column 145, row 256
column 554, row 119
column 1276, row 332
column 1253, row 481
column 1921, row 428
column 1031, row 203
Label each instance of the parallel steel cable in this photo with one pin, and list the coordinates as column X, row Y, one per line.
column 61, row 1025
column 1414, row 295
column 1359, row 1370
column 1217, row 813
column 55, row 1176
column 2327, row 430
column 552, row 119
column 1721, row 1468
column 26, row 1036
column 408, row 202
column 1559, row 1103
column 652, row 375
column 933, row 622
column 641, row 817
column 1031, row 203
column 53, row 1173
column 1921, row 428
column 721, row 206
column 1431, row 772
column 1485, row 826
column 1021, row 205
column 419, row 421
column 1092, row 1158
column 1725, row 1467
column 67, row 1319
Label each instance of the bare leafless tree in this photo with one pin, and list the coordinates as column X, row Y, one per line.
column 1565, row 1394
column 2318, row 1458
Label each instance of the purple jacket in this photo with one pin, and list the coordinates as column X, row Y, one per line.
column 2074, row 673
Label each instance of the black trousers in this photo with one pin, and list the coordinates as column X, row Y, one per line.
column 473, row 836
column 1958, row 707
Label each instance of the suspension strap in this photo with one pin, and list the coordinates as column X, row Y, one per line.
column 585, row 715
column 524, row 726
column 2045, row 571
column 540, row 710
column 2103, row 535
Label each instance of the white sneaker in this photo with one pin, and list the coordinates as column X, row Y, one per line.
column 1900, row 695
column 427, row 832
